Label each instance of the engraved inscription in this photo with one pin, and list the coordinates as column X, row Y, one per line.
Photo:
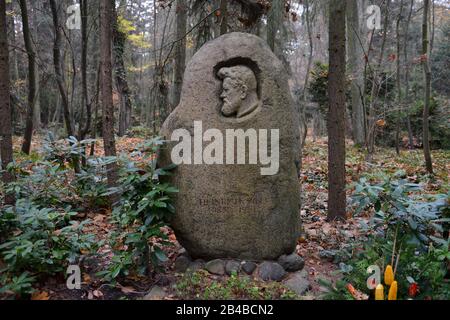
column 236, row 204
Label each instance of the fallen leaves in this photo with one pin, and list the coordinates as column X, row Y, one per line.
column 95, row 294
column 40, row 296
column 86, row 278
column 317, row 234
column 127, row 290
column 381, row 123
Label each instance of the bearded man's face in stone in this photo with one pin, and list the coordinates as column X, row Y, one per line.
column 239, row 95
column 232, row 96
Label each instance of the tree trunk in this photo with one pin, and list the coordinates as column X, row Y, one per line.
column 58, row 69
column 84, row 87
column 13, row 61
column 273, row 22
column 6, row 146
column 407, row 64
column 97, row 94
column 224, row 16
column 35, row 33
column 356, row 66
column 180, row 50
column 376, row 87
column 311, row 49
column 119, row 39
column 336, row 112
column 427, row 83
column 60, row 78
column 11, row 25
column 106, row 13
column 303, row 123
column 26, row 146
column 399, row 87
column 317, row 124
column 433, row 24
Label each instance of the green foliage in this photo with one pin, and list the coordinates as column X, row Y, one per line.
column 386, row 85
column 439, row 124
column 417, row 221
column 335, row 292
column 46, row 184
column 125, row 26
column 318, row 87
column 61, row 151
column 40, row 241
column 440, row 62
column 40, row 235
column 16, row 285
column 137, row 40
column 319, row 83
column 426, row 268
column 91, row 183
column 50, row 181
column 198, row 285
column 140, row 131
column 407, row 226
column 145, row 208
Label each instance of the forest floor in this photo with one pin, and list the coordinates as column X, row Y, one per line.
column 319, row 244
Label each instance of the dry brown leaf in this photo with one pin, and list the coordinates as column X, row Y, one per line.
column 97, row 293
column 127, row 290
column 40, row 296
column 172, row 237
column 99, row 218
column 381, row 123
column 86, row 278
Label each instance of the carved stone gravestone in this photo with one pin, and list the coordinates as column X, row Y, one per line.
column 235, row 139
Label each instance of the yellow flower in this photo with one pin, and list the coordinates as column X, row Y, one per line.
column 379, row 292
column 388, row 275
column 393, row 291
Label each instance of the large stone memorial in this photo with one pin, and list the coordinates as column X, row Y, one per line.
column 235, row 139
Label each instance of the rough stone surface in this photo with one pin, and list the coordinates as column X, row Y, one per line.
column 196, row 265
column 156, row 293
column 292, row 262
column 298, row 282
column 183, row 252
column 233, row 211
column 271, row 271
column 249, row 267
column 232, row 266
column 216, row 266
column 182, row 263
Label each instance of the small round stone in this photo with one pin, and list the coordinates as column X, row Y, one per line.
column 231, row 267
column 182, row 264
column 271, row 271
column 248, row 267
column 216, row 266
column 292, row 262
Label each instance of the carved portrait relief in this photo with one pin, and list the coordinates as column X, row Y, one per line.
column 239, row 91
